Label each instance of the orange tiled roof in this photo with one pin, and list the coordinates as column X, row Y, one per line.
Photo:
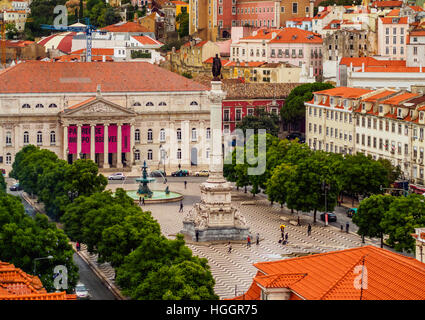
column 378, row 96
column 125, row 27
column 296, row 35
column 400, row 98
column 417, row 33
column 369, row 61
column 75, row 106
column 15, row 284
column 344, row 92
column 401, row 20
column 384, row 269
column 321, row 15
column 417, row 8
column 381, row 4
column 393, row 69
column 96, row 51
column 199, row 44
column 147, row 40
column 44, row 77
column 393, row 13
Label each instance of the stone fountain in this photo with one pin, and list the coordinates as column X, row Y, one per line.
column 155, row 196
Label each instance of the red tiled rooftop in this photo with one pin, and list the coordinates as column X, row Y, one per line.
column 401, row 20
column 400, row 98
column 296, row 35
column 145, row 40
column 394, row 69
column 96, row 51
column 52, row 77
column 125, row 27
column 344, row 92
column 369, row 61
column 391, row 276
column 378, row 96
column 381, row 4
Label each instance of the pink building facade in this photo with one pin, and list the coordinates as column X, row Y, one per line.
column 392, row 37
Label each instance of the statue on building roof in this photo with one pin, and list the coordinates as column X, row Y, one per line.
column 216, row 68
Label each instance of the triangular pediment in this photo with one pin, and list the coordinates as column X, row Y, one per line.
column 97, row 107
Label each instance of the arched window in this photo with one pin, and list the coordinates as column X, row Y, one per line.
column 136, row 104
column 53, row 105
column 137, row 135
column 149, row 104
column 193, row 103
column 179, row 134
column 150, row 135
column 26, row 137
column 52, row 138
column 162, row 135
column 26, row 106
column 162, row 103
column 137, row 154
column 39, row 105
column 179, row 154
column 8, row 138
column 150, row 154
column 194, row 134
column 8, row 158
column 39, row 138
column 208, row 133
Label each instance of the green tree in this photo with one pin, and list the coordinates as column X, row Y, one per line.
column 370, row 214
column 23, row 239
column 363, row 175
column 277, row 188
column 187, row 280
column 3, row 184
column 393, row 172
column 81, row 11
column 11, row 31
column 122, row 238
column 399, row 222
column 41, row 13
column 294, row 109
column 141, row 266
column 83, row 176
column 183, row 20
column 261, row 120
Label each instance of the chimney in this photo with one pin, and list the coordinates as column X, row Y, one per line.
column 420, row 67
column 98, row 91
column 103, row 58
column 362, row 66
column 351, row 66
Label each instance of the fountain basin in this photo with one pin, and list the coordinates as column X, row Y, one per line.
column 158, row 196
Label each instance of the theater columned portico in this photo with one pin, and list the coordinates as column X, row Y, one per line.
column 99, row 130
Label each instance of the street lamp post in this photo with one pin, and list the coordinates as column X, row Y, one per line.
column 134, row 155
column 326, row 187
column 48, row 257
column 72, row 195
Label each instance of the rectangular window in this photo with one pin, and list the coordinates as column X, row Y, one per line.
column 294, row 7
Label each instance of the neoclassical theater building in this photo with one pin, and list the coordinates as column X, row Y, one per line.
column 117, row 114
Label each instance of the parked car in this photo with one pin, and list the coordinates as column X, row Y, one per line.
column 180, row 173
column 117, row 176
column 296, row 135
column 202, row 173
column 331, row 217
column 15, row 187
column 81, row 291
column 158, row 173
column 351, row 212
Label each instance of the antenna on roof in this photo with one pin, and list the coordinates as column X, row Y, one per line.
column 98, row 92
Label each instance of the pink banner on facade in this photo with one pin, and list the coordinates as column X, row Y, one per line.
column 98, row 139
column 72, row 139
column 85, row 139
column 125, row 146
column 112, row 138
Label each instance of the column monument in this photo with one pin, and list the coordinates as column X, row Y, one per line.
column 214, row 218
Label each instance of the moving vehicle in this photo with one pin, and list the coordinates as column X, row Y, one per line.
column 351, row 212
column 296, row 135
column 117, row 176
column 331, row 217
column 15, row 187
column 81, row 291
column 202, row 173
column 158, row 173
column 180, row 173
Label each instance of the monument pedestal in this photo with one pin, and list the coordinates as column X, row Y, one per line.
column 214, row 218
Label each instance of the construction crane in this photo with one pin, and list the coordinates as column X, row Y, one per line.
column 87, row 29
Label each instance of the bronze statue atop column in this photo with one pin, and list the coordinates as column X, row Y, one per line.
column 216, row 68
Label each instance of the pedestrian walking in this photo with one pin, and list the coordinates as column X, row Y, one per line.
column 78, row 246
column 185, row 183
column 286, row 238
column 143, row 200
column 248, row 241
column 298, row 221
column 309, row 230
column 258, row 239
column 230, row 248
column 197, row 235
column 347, row 226
column 342, row 228
column 181, row 206
column 140, row 201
